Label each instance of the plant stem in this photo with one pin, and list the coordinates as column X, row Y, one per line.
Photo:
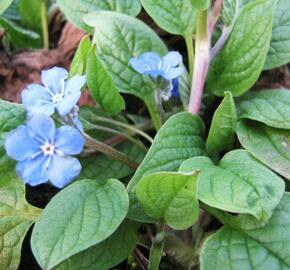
column 156, row 251
column 153, row 109
column 201, row 62
column 128, row 137
column 109, row 151
column 190, row 53
column 126, row 126
column 44, row 24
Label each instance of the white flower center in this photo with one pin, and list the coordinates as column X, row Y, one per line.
column 48, row 149
column 57, row 98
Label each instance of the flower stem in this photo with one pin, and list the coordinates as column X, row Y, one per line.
column 154, row 111
column 190, row 53
column 128, row 137
column 201, row 62
column 126, row 126
column 109, row 151
column 44, row 25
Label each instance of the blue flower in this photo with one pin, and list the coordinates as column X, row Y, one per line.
column 43, row 152
column 150, row 63
column 57, row 93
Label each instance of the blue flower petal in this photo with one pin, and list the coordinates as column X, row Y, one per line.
column 34, row 171
column 172, row 59
column 75, row 84
column 54, row 78
column 173, row 73
column 152, row 61
column 41, row 107
column 63, row 170
column 68, row 102
column 138, row 65
column 20, row 145
column 147, row 63
column 69, row 140
column 33, row 93
column 41, row 127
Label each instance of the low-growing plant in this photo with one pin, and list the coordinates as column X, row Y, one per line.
column 184, row 188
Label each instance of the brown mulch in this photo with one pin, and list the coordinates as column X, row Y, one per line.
column 23, row 67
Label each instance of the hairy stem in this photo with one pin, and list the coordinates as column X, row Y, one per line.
column 44, row 25
column 190, row 53
column 200, row 64
column 109, row 151
column 128, row 137
column 126, row 126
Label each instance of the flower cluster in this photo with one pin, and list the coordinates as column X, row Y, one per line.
column 42, row 150
column 167, row 67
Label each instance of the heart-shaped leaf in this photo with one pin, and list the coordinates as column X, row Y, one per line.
column 80, row 216
column 239, row 184
column 170, row 197
column 242, row 243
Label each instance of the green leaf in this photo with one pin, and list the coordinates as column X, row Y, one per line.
column 200, row 4
column 222, row 130
column 230, row 10
column 239, row 64
column 180, row 138
column 106, row 254
column 11, row 115
column 16, row 216
column 6, row 163
column 102, row 167
column 30, row 12
column 242, row 243
column 230, row 187
column 279, row 52
column 269, row 145
column 79, row 62
column 102, row 86
column 119, row 38
column 90, row 212
column 4, row 5
column 18, row 36
column 170, row 197
column 176, row 17
column 271, row 107
column 75, row 12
